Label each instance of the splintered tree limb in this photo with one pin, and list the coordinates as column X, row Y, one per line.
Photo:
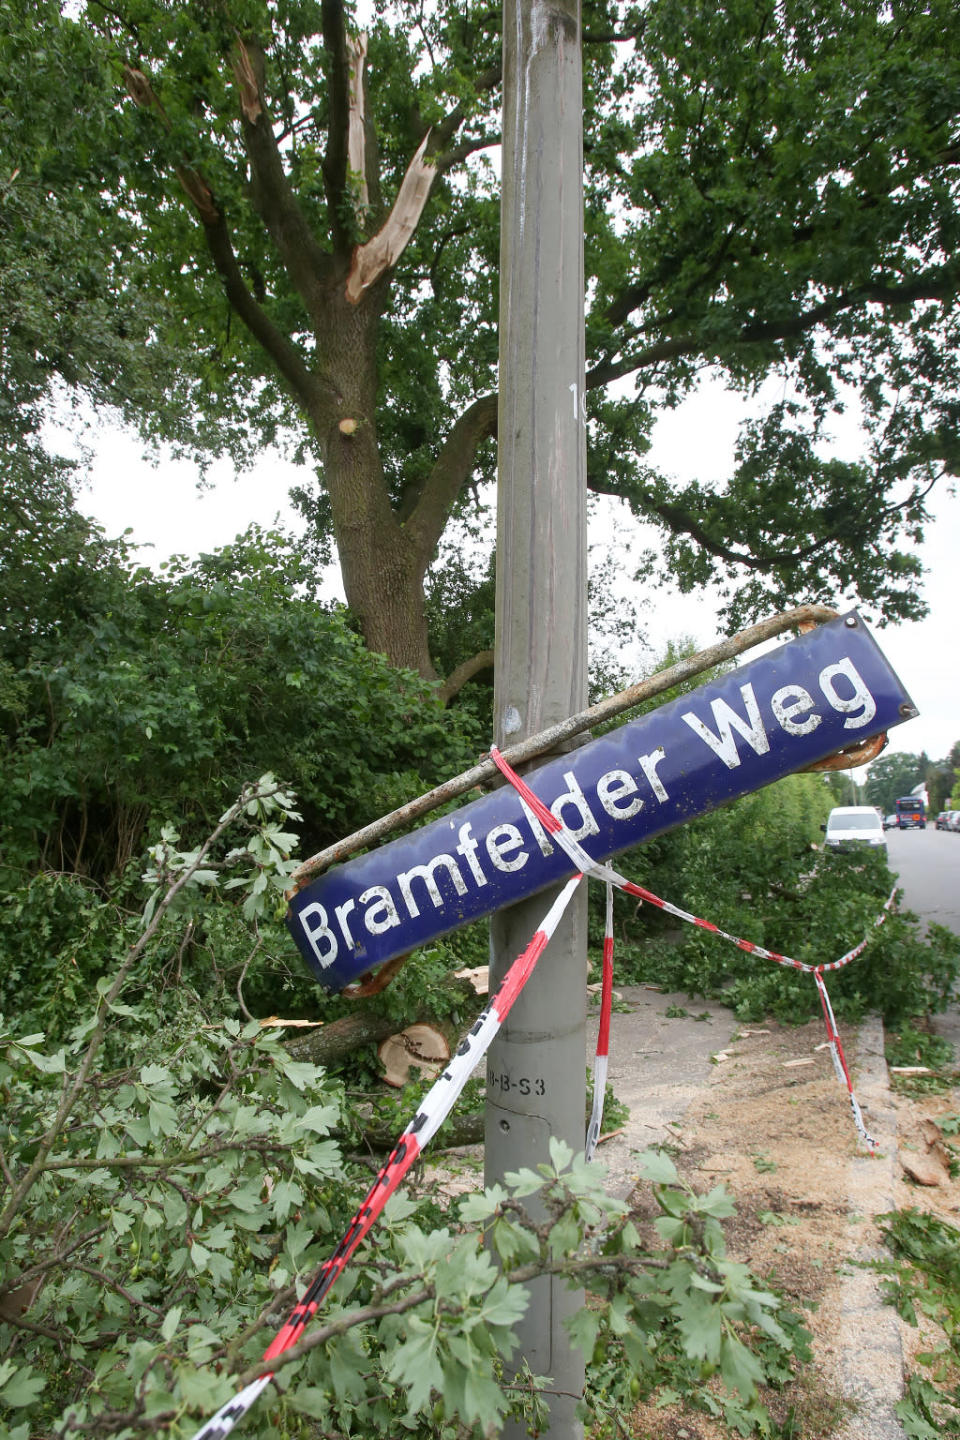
column 284, row 354
column 247, row 83
column 356, row 142
column 380, row 254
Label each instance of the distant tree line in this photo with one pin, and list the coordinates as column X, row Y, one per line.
column 898, row 772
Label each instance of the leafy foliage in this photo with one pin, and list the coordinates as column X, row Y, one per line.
column 889, row 777
column 701, row 1325
column 164, row 1201
column 134, row 699
column 915, row 1044
column 75, row 316
column 924, row 1275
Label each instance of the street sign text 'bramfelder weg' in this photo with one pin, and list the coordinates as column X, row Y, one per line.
column 822, row 692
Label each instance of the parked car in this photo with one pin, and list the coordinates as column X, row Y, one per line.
column 889, row 822
column 942, row 820
column 954, row 822
column 849, row 827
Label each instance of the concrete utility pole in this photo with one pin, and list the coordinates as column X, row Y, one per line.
column 536, row 1066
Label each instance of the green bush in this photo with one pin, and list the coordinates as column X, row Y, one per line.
column 169, row 1182
column 158, row 697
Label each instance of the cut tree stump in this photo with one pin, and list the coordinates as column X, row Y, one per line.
column 421, row 1048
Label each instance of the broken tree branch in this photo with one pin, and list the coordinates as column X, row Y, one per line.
column 380, row 254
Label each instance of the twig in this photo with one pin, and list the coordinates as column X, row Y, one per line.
column 136, row 1300
column 534, row 1270
column 4, row 1167
column 243, row 974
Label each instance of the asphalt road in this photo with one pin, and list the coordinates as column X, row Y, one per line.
column 928, row 862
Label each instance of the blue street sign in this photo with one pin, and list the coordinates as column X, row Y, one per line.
column 822, row 692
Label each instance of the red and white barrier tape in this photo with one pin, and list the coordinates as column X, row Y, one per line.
column 434, row 1109
column 602, row 1056
column 599, row 871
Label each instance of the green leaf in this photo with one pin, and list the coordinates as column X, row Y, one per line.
column 505, row 1304
column 523, row 1182
column 319, row 1119
column 299, row 1072
column 476, row 1208
column 560, row 1154
column 23, row 1388
column 718, row 1203
column 583, row 1327
column 701, row 1326
column 414, row 1364
column 484, row 1401
column 740, row 1369
column 309, row 1400
column 47, row 1064
column 656, row 1166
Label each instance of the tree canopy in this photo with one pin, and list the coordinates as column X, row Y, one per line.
column 890, row 777
column 771, row 194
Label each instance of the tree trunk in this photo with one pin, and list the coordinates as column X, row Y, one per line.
column 382, row 561
column 333, row 1044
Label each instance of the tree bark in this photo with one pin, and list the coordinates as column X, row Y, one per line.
column 334, row 1044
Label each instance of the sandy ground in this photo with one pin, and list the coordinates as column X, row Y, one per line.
column 774, row 1126
column 759, row 1109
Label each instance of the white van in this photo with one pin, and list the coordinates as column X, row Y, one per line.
column 849, row 826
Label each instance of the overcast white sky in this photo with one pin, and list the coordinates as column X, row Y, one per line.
column 167, row 513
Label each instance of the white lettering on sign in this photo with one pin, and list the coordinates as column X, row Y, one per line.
column 382, row 914
column 614, row 785
column 322, row 940
column 730, row 732
column 648, row 764
column 727, row 720
column 499, row 849
column 539, row 834
column 842, row 687
column 790, row 702
column 426, row 873
column 575, row 797
column 468, row 849
column 860, row 705
column 342, row 911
